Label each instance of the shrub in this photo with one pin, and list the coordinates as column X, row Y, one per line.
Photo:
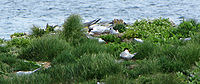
column 110, row 38
column 44, row 48
column 130, row 33
column 186, row 29
column 49, row 28
column 37, row 32
column 160, row 29
column 120, row 27
column 19, row 42
column 72, row 28
column 191, row 76
column 17, row 35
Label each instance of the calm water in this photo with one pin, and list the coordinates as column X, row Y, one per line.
column 20, row 15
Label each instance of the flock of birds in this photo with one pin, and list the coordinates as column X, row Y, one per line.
column 101, row 28
column 97, row 29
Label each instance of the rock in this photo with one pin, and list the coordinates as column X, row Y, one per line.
column 127, row 40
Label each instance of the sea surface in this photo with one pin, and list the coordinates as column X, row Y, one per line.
column 21, row 15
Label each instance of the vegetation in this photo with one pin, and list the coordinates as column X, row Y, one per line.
column 120, row 27
column 162, row 58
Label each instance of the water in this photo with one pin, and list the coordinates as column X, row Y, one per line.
column 20, row 15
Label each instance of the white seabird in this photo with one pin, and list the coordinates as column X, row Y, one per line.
column 101, row 40
column 138, row 40
column 185, row 39
column 26, row 72
column 126, row 55
column 112, row 31
column 98, row 29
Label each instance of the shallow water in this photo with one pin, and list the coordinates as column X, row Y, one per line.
column 20, row 15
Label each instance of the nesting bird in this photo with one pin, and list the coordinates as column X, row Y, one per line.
column 100, row 40
column 126, row 54
column 138, row 40
column 112, row 31
column 26, row 72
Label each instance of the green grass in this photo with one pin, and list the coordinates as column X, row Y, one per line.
column 45, row 48
column 72, row 28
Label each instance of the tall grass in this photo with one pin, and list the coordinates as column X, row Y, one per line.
column 45, row 48
column 158, row 78
column 95, row 66
column 27, row 79
column 65, row 57
column 143, row 67
column 90, row 47
column 72, row 28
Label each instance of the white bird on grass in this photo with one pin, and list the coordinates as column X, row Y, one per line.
column 26, row 72
column 138, row 40
column 101, row 40
column 185, row 39
column 112, row 31
column 126, row 54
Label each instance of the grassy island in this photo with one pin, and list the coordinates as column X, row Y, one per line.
column 169, row 54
